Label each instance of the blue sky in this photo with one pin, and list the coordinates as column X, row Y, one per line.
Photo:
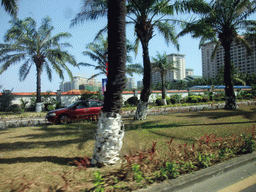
column 62, row 12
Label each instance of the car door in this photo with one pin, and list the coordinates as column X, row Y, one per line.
column 80, row 111
column 95, row 107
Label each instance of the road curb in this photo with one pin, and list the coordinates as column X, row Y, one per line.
column 201, row 175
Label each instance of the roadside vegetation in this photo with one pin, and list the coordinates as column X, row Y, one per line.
column 57, row 157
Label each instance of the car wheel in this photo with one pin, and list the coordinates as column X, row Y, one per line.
column 64, row 119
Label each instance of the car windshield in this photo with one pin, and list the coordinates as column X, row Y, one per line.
column 79, row 105
column 72, row 105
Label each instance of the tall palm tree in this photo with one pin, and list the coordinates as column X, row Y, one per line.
column 146, row 15
column 162, row 65
column 10, row 6
column 109, row 130
column 220, row 20
column 98, row 51
column 24, row 42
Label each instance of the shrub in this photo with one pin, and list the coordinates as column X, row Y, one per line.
column 205, row 99
column 32, row 106
column 132, row 101
column 193, row 100
column 58, row 105
column 6, row 100
column 175, row 98
column 97, row 96
column 168, row 100
column 220, row 96
column 50, row 107
column 249, row 144
column 248, row 96
column 23, row 103
column 211, row 95
column 172, row 100
column 159, row 102
column 239, row 96
column 15, row 108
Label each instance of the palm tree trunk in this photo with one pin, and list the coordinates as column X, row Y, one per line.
column 163, row 89
column 141, row 112
column 229, row 90
column 38, row 84
column 110, row 131
column 38, row 88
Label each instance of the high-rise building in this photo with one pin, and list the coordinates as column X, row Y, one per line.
column 80, row 82
column 177, row 74
column 130, row 84
column 189, row 72
column 139, row 84
column 243, row 62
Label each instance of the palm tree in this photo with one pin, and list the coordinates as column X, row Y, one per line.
column 109, row 130
column 98, row 51
column 221, row 20
column 162, row 65
column 10, row 6
column 36, row 47
column 146, row 15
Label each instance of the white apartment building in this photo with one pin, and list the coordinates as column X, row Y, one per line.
column 178, row 63
column 242, row 62
column 78, row 81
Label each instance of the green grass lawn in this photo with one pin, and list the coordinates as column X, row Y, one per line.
column 4, row 115
column 36, row 158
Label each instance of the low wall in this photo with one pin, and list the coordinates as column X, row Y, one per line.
column 69, row 97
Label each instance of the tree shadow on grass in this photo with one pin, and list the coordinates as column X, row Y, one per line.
column 52, row 159
column 156, row 125
column 173, row 137
column 248, row 114
column 65, row 135
column 149, row 125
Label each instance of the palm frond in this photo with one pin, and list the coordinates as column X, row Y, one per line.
column 101, row 32
column 242, row 41
column 45, row 29
column 215, row 50
column 96, row 75
column 56, row 66
column 10, row 6
column 168, row 31
column 10, row 60
column 91, row 10
column 24, row 69
column 48, row 70
column 86, row 64
column 134, row 68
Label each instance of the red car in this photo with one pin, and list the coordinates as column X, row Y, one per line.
column 80, row 110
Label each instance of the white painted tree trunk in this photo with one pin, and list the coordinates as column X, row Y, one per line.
column 39, row 107
column 164, row 101
column 141, row 112
column 109, row 140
